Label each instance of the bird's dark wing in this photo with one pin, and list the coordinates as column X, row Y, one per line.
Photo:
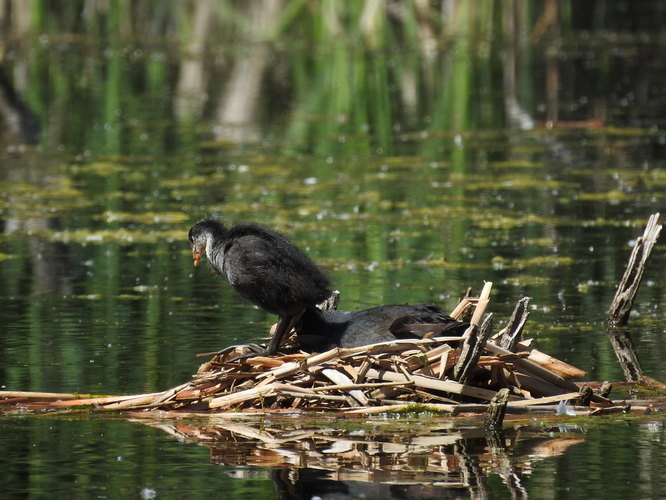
column 247, row 259
column 267, row 269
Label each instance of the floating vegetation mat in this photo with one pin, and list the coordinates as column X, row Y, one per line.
column 442, row 374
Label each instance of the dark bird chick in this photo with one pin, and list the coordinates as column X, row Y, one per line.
column 265, row 268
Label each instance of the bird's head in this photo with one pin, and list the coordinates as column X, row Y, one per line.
column 197, row 241
column 201, row 235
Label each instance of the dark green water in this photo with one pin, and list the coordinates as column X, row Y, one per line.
column 409, row 171
column 106, row 458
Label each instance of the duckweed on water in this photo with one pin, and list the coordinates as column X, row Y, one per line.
column 523, row 280
column 193, row 181
column 543, row 261
column 101, row 168
column 146, row 218
column 442, row 262
column 498, row 221
column 120, row 236
column 25, row 200
column 515, row 182
column 613, row 196
column 539, row 242
column 515, row 164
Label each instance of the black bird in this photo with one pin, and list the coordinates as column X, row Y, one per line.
column 264, row 267
column 322, row 330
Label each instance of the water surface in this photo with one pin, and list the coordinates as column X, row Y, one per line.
column 411, row 158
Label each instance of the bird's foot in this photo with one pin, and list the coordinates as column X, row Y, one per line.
column 246, row 350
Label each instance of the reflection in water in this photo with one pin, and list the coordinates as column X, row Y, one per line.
column 373, row 459
column 238, row 113
column 625, row 351
column 18, row 125
column 50, row 264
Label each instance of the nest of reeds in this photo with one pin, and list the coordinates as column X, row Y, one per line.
column 441, row 372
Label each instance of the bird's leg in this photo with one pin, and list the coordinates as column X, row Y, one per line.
column 284, row 326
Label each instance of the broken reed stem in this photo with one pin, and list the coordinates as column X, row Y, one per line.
column 623, row 301
column 459, row 310
column 360, row 375
column 532, row 368
column 497, row 410
column 449, row 386
column 482, row 303
column 545, row 400
column 369, row 385
column 341, row 379
column 512, row 333
column 585, row 396
column 471, row 350
column 290, row 368
column 550, row 363
column 435, row 407
column 318, row 397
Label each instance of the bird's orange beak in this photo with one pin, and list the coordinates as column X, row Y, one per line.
column 196, row 256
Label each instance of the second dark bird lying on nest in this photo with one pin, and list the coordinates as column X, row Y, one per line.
column 322, row 330
column 264, row 267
